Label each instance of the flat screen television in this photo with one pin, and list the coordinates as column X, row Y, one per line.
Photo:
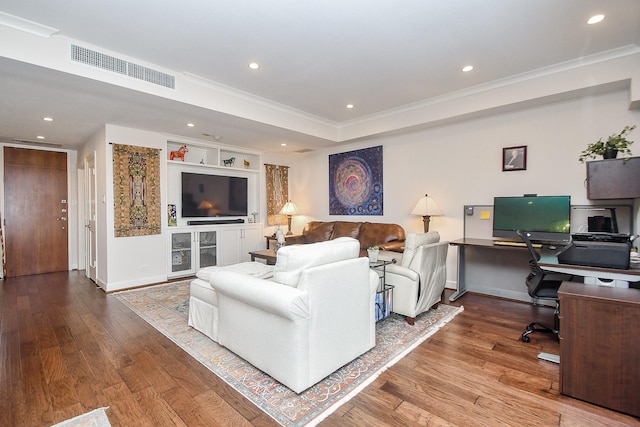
column 547, row 218
column 213, row 195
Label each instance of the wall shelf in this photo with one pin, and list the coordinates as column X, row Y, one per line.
column 214, row 156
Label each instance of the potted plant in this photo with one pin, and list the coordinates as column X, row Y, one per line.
column 372, row 252
column 609, row 149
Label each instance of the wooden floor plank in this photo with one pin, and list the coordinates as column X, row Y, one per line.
column 67, row 348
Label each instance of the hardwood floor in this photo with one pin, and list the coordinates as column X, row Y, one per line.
column 67, row 348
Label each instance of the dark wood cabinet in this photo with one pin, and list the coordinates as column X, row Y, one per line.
column 599, row 346
column 613, row 179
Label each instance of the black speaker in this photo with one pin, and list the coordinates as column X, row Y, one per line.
column 216, row 221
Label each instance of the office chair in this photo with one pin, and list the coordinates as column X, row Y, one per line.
column 542, row 284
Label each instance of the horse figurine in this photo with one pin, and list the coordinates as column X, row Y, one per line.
column 179, row 154
column 229, row 162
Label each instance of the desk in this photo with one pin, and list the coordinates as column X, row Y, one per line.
column 550, row 262
column 501, row 270
column 599, row 347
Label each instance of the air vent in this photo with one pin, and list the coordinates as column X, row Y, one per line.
column 120, row 66
column 304, row 150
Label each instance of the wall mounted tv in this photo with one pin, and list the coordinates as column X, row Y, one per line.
column 547, row 218
column 213, row 195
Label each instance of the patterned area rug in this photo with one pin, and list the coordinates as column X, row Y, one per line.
column 166, row 307
column 95, row 418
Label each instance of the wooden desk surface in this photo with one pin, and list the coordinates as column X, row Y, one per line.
column 548, row 257
column 601, row 293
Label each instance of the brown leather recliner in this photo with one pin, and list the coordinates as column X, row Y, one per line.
column 388, row 237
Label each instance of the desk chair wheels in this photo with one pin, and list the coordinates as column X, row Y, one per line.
column 538, row 327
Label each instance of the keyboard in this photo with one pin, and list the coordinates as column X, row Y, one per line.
column 512, row 243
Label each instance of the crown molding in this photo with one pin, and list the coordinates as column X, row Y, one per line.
column 27, row 26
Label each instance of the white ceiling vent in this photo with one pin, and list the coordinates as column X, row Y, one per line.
column 120, row 66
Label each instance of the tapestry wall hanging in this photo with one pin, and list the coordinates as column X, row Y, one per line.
column 355, row 182
column 277, row 192
column 136, row 190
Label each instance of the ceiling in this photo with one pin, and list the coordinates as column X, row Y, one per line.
column 315, row 58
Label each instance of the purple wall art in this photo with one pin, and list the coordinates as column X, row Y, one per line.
column 355, row 182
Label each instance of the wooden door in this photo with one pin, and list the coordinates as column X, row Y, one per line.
column 36, row 211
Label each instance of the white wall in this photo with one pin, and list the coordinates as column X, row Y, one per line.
column 123, row 262
column 136, row 260
column 461, row 163
column 457, row 163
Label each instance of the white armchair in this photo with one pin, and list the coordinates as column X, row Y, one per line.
column 420, row 278
column 316, row 315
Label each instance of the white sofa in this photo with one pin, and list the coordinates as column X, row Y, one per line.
column 420, row 278
column 313, row 317
column 203, row 299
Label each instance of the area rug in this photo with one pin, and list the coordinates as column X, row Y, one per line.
column 166, row 307
column 95, row 418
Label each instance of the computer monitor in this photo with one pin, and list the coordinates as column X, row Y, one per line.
column 546, row 218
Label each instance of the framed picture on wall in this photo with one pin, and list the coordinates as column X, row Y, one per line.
column 514, row 158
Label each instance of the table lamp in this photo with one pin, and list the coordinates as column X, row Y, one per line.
column 289, row 209
column 426, row 208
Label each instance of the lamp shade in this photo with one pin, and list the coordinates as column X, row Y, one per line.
column 289, row 208
column 426, row 206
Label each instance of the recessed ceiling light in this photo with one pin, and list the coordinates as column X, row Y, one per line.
column 47, row 119
column 283, row 144
column 595, row 19
column 467, row 68
column 349, row 106
column 191, row 125
column 40, row 137
column 254, row 65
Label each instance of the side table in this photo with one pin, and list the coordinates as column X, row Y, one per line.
column 384, row 294
column 272, row 240
column 269, row 255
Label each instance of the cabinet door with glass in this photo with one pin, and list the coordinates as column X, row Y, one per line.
column 182, row 262
column 207, row 249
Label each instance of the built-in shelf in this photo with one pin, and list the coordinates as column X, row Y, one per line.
column 203, row 157
column 213, row 156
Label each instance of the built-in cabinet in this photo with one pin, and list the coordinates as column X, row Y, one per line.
column 613, row 179
column 195, row 247
column 236, row 243
column 190, row 250
column 192, row 247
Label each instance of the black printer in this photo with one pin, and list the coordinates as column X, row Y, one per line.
column 606, row 250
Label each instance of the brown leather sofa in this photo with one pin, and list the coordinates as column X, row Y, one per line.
column 388, row 237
